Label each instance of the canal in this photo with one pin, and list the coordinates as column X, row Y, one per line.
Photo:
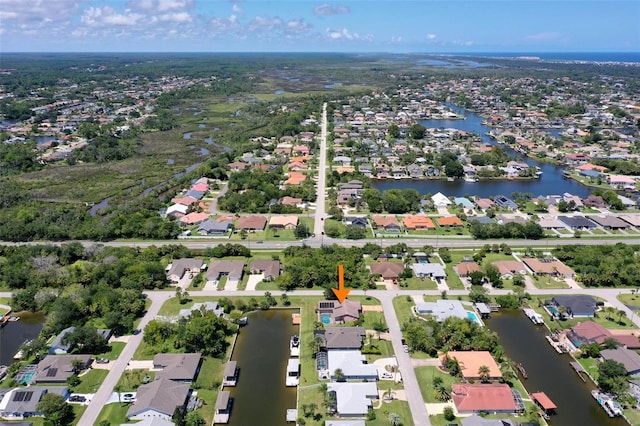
column 549, row 371
column 15, row 333
column 551, row 181
column 262, row 351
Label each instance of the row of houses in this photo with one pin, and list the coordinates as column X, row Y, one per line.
column 509, row 268
column 233, row 269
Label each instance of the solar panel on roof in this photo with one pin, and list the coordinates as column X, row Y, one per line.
column 52, row 372
column 22, row 396
column 326, row 305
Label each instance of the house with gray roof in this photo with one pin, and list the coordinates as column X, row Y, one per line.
column 177, row 367
column 202, row 307
column 233, row 269
column 630, row 359
column 59, row 348
column 577, row 222
column 442, row 309
column 344, row 338
column 609, row 222
column 150, row 421
column 58, row 368
column 270, row 268
column 579, row 305
column 429, row 270
column 22, row 403
column 179, row 267
column 353, row 399
column 213, row 227
column 159, row 398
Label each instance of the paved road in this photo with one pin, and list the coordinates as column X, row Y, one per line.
column 101, row 397
column 318, row 227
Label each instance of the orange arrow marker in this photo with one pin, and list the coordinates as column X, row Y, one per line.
column 341, row 292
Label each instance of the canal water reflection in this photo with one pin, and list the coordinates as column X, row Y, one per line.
column 262, row 351
column 549, row 371
column 14, row 334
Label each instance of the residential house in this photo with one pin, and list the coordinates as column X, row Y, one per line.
column 440, row 200
column 353, row 365
column 344, row 423
column 464, row 268
column 387, row 270
column 233, row 269
column 360, row 222
column 508, row 268
column 548, row 266
column 193, row 218
column 577, row 222
column 251, row 223
column 177, row 210
column 471, row 361
column 388, row 223
column 343, row 338
column 22, row 403
column 588, row 332
column 353, row 399
column 449, row 222
column 283, row 222
column 418, row 222
column 179, row 267
column 202, row 307
column 295, row 178
column 609, row 222
column 505, row 203
column 631, row 219
column 630, row 359
column 57, row 347
column 442, row 309
column 58, row 368
column 238, row 166
column 213, row 227
column 177, row 367
column 464, row 202
column 290, row 201
column 429, row 270
column 548, row 222
column 484, row 203
column 151, row 421
column 594, row 201
column 488, row 398
column 622, row 182
column 339, row 313
column 160, row 398
column 270, row 268
column 186, row 201
column 578, row 305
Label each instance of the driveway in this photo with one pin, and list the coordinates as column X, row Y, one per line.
column 231, row 285
column 254, row 280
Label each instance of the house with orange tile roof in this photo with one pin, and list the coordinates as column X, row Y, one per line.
column 465, row 268
column 237, row 166
column 301, row 150
column 283, row 222
column 345, row 169
column 449, row 221
column 589, row 166
column 295, row 178
column 471, row 361
column 418, row 222
column 388, row 223
column 194, row 218
column 477, row 398
column 185, row 201
column 296, row 166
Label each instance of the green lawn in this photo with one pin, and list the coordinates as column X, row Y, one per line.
column 544, row 282
column 591, row 365
column 115, row 413
column 208, row 384
column 425, row 376
column 401, row 408
column 115, row 349
column 91, row 381
column 629, row 299
column 415, row 283
column 402, row 306
column 132, row 379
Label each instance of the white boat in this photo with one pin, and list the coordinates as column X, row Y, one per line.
column 609, row 404
column 294, row 345
column 293, row 372
column 535, row 317
column 470, row 179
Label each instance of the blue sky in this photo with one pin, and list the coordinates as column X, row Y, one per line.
column 317, row 26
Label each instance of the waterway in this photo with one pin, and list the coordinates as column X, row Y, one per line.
column 551, row 182
column 262, row 352
column 15, row 333
column 548, row 371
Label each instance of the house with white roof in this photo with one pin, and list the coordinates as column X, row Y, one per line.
column 440, row 200
column 352, row 364
column 442, row 309
column 354, row 399
column 430, row 270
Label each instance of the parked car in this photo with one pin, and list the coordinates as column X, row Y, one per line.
column 102, row 361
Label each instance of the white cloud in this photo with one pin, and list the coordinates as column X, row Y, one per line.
column 178, row 17
column 224, row 25
column 396, row 39
column 36, row 10
column 264, row 23
column 326, row 9
column 237, row 9
column 107, row 15
column 431, row 36
column 298, row 25
column 160, row 6
column 345, row 34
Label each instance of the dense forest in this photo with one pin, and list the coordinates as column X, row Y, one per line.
column 604, row 265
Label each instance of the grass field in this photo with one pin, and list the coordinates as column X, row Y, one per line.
column 91, row 381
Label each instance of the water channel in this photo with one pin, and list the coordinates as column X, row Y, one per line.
column 15, row 333
column 548, row 371
column 551, row 181
column 262, row 351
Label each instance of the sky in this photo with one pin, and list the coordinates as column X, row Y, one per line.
column 413, row 26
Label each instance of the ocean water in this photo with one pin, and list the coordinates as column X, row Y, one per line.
column 567, row 56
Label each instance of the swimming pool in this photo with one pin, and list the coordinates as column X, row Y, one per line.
column 325, row 318
column 473, row 317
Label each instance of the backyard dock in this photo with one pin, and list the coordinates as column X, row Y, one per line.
column 579, row 370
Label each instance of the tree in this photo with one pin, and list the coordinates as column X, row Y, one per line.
column 493, row 274
column 479, row 295
column 518, row 280
column 194, row 418
column 302, row 231
column 476, row 277
column 339, row 375
column 484, row 373
column 55, row 409
column 353, row 232
column 394, row 419
column 612, row 377
column 441, row 393
column 449, row 415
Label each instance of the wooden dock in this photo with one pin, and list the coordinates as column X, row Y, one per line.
column 579, row 370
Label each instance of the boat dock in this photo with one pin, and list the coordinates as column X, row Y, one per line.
column 535, row 317
column 579, row 370
column 559, row 347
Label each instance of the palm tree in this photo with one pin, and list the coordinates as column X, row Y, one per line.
column 507, row 372
column 621, row 314
column 394, row 419
column 388, row 395
column 609, row 311
column 339, row 375
column 315, row 344
column 441, row 393
column 484, row 373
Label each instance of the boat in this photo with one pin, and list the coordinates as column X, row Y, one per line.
column 293, row 372
column 522, row 371
column 13, row 319
column 610, row 406
column 535, row 317
column 470, row 179
column 294, row 345
column 3, row 371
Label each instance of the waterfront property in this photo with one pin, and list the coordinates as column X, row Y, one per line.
column 334, row 312
column 230, row 374
column 630, row 359
column 344, row 338
column 352, row 364
column 577, row 305
column 442, row 309
column 470, row 363
column 160, row 398
column 489, row 398
column 177, row 367
column 353, row 399
column 223, row 407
